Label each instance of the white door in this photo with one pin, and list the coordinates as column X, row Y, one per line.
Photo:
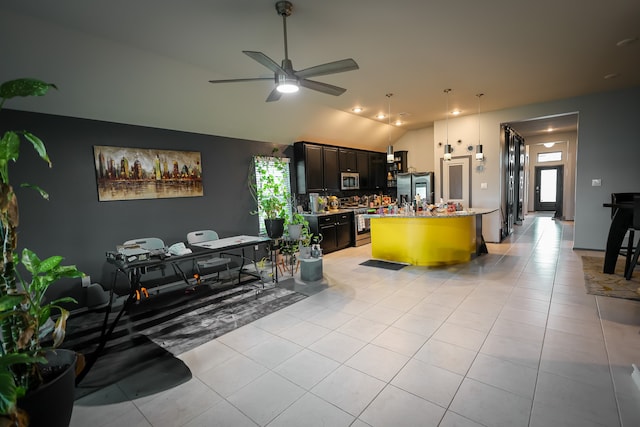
column 456, row 181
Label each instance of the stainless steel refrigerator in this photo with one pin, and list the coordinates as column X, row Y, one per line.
column 410, row 184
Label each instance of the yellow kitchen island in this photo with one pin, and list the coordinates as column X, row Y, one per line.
column 428, row 240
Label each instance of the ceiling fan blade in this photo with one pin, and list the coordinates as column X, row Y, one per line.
column 265, row 60
column 241, row 80
column 328, row 68
column 274, row 95
column 322, row 87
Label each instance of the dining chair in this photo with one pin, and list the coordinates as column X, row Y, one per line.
column 155, row 246
column 212, row 263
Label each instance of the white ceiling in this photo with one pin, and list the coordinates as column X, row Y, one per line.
column 148, row 61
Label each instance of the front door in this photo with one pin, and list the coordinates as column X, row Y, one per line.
column 548, row 188
column 456, row 181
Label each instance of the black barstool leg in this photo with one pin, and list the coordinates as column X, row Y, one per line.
column 632, row 266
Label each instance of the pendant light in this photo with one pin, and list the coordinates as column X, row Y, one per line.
column 390, row 155
column 447, row 147
column 479, row 153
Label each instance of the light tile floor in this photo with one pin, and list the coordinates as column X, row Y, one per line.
column 509, row 339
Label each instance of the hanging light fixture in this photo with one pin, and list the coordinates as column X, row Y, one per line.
column 479, row 153
column 447, row 147
column 390, row 155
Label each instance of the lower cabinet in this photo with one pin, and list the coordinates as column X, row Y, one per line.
column 336, row 230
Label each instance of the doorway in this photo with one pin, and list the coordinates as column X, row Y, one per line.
column 456, row 180
column 548, row 189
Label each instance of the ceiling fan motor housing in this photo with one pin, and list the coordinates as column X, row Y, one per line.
column 284, row 8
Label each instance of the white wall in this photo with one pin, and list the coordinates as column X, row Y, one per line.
column 609, row 149
column 419, row 144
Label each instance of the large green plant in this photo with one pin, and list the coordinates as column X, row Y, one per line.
column 271, row 194
column 24, row 311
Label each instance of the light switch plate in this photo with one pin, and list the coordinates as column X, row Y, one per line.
column 596, row 182
column 483, row 185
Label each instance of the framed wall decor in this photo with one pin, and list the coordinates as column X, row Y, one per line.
column 124, row 173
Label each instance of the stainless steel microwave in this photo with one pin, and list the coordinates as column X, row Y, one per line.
column 349, row 181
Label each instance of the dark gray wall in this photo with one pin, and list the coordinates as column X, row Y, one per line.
column 73, row 223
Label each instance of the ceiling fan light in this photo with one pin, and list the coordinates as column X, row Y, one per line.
column 287, row 84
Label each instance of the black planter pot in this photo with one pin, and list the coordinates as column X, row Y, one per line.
column 275, row 227
column 51, row 405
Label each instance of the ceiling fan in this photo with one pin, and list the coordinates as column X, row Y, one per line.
column 286, row 78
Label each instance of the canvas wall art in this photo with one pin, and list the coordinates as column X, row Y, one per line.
column 125, row 173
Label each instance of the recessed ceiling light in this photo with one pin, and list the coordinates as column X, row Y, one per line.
column 611, row 76
column 380, row 116
column 456, row 112
column 357, row 109
column 549, row 129
column 398, row 122
column 625, row 42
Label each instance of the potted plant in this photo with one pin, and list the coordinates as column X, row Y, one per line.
column 27, row 368
column 271, row 193
column 295, row 225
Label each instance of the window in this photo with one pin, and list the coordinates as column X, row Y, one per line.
column 273, row 180
column 552, row 156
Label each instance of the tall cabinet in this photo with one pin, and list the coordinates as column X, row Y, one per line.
column 399, row 165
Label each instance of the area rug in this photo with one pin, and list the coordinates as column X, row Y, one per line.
column 165, row 326
column 383, row 264
column 610, row 285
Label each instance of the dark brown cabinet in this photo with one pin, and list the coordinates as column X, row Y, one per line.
column 336, row 229
column 348, row 160
column 317, row 168
column 377, row 171
column 362, row 164
column 399, row 165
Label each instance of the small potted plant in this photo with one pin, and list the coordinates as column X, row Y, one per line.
column 28, row 369
column 296, row 224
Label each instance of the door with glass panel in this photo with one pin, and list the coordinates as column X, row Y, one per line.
column 456, row 181
column 548, row 188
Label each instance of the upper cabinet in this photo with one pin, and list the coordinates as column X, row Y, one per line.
column 318, row 167
column 377, row 171
column 348, row 160
column 362, row 166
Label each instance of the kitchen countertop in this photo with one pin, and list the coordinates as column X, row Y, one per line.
column 339, row 211
column 477, row 211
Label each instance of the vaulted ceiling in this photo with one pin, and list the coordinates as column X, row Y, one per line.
column 148, row 62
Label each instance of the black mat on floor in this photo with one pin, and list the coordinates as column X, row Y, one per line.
column 383, row 264
column 162, row 327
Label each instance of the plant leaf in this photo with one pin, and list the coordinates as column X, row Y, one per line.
column 43, row 193
column 38, row 145
column 61, row 325
column 24, row 87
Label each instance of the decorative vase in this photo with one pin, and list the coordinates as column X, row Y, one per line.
column 51, row 404
column 294, row 231
column 275, row 227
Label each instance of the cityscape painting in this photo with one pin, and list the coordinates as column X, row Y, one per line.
column 124, row 173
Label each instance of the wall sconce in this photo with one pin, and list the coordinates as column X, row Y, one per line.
column 479, row 153
column 448, row 149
